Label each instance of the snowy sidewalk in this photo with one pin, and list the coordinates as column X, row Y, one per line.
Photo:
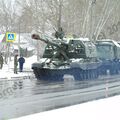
column 7, row 72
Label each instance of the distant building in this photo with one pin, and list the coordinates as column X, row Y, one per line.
column 26, row 47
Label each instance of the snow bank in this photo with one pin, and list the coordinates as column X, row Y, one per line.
column 105, row 109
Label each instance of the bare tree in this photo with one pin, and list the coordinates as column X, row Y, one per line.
column 81, row 17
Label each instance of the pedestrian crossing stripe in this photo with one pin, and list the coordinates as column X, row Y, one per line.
column 10, row 37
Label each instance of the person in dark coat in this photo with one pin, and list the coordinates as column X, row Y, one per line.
column 21, row 61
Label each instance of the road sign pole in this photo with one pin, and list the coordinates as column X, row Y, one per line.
column 19, row 42
column 8, row 56
column 10, row 37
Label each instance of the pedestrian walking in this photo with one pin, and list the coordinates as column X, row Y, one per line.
column 1, row 61
column 21, row 61
column 15, row 64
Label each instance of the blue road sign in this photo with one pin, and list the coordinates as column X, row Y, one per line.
column 10, row 37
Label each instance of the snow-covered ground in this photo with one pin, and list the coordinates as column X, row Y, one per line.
column 8, row 70
column 104, row 109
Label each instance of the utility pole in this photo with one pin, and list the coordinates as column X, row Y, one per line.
column 36, row 29
column 8, row 56
column 93, row 2
column 19, row 40
column 60, row 14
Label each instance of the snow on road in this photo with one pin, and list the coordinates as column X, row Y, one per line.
column 104, row 109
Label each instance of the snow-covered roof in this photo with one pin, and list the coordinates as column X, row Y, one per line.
column 109, row 41
column 28, row 46
column 81, row 39
column 24, row 38
column 25, row 41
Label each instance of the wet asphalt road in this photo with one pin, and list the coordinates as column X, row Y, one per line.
column 23, row 96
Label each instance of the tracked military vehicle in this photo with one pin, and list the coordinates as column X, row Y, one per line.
column 76, row 57
column 108, row 52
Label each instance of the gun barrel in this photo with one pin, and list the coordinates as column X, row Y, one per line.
column 37, row 37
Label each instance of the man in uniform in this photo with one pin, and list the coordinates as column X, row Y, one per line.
column 60, row 33
column 1, row 61
column 15, row 64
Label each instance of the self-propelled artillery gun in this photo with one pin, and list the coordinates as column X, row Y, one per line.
column 75, row 56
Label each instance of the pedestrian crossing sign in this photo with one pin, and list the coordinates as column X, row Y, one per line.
column 10, row 37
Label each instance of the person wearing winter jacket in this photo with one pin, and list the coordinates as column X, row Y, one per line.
column 21, row 61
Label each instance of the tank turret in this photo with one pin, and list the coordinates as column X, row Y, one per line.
column 59, row 48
